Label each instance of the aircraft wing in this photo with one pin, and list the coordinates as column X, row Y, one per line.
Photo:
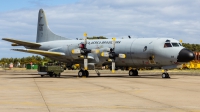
column 21, row 43
column 41, row 52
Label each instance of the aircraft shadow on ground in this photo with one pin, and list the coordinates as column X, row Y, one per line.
column 149, row 76
column 16, row 74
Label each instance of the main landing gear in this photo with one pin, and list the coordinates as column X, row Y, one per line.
column 83, row 73
column 165, row 74
column 133, row 72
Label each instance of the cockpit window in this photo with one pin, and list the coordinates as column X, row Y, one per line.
column 167, row 45
column 175, row 44
column 180, row 44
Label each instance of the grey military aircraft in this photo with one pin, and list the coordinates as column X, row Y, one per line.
column 166, row 53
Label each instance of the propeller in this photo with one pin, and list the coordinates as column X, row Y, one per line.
column 84, row 51
column 181, row 41
column 112, row 55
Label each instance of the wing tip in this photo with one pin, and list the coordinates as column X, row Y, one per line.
column 3, row 38
column 19, row 49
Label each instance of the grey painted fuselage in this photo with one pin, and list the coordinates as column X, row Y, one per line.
column 137, row 50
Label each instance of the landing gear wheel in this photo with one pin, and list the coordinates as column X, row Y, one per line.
column 59, row 75
column 51, row 74
column 42, row 75
column 81, row 73
column 165, row 75
column 133, row 73
column 86, row 73
column 130, row 72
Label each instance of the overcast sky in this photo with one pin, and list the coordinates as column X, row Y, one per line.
column 178, row 19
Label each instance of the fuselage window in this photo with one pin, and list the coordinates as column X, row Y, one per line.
column 145, row 48
column 175, row 45
column 167, row 45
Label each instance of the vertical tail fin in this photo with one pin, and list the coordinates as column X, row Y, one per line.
column 44, row 34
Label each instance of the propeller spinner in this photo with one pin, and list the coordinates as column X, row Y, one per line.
column 112, row 55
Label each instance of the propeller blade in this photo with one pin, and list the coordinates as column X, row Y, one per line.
column 85, row 39
column 76, row 51
column 122, row 56
column 113, row 42
column 105, row 54
column 85, row 63
column 113, row 67
column 95, row 51
column 181, row 41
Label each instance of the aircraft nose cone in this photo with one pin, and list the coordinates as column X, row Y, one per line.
column 185, row 55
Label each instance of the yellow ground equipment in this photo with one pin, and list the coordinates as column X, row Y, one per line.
column 194, row 64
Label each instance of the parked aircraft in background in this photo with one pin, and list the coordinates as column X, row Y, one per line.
column 167, row 53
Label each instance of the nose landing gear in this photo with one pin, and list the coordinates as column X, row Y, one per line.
column 165, row 74
column 83, row 73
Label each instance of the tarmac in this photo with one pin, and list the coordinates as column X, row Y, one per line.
column 22, row 91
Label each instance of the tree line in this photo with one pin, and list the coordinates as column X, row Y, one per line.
column 192, row 47
column 21, row 62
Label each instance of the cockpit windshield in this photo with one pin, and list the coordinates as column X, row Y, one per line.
column 172, row 44
column 167, row 45
column 175, row 45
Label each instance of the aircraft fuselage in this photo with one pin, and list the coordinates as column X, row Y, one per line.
column 140, row 52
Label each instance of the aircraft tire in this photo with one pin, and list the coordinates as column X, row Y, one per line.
column 55, row 75
column 86, row 73
column 51, row 74
column 59, row 75
column 165, row 75
column 135, row 73
column 131, row 72
column 42, row 75
column 81, row 73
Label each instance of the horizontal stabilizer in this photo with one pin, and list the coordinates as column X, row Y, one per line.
column 41, row 52
column 22, row 43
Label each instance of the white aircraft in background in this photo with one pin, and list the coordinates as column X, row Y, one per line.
column 166, row 53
